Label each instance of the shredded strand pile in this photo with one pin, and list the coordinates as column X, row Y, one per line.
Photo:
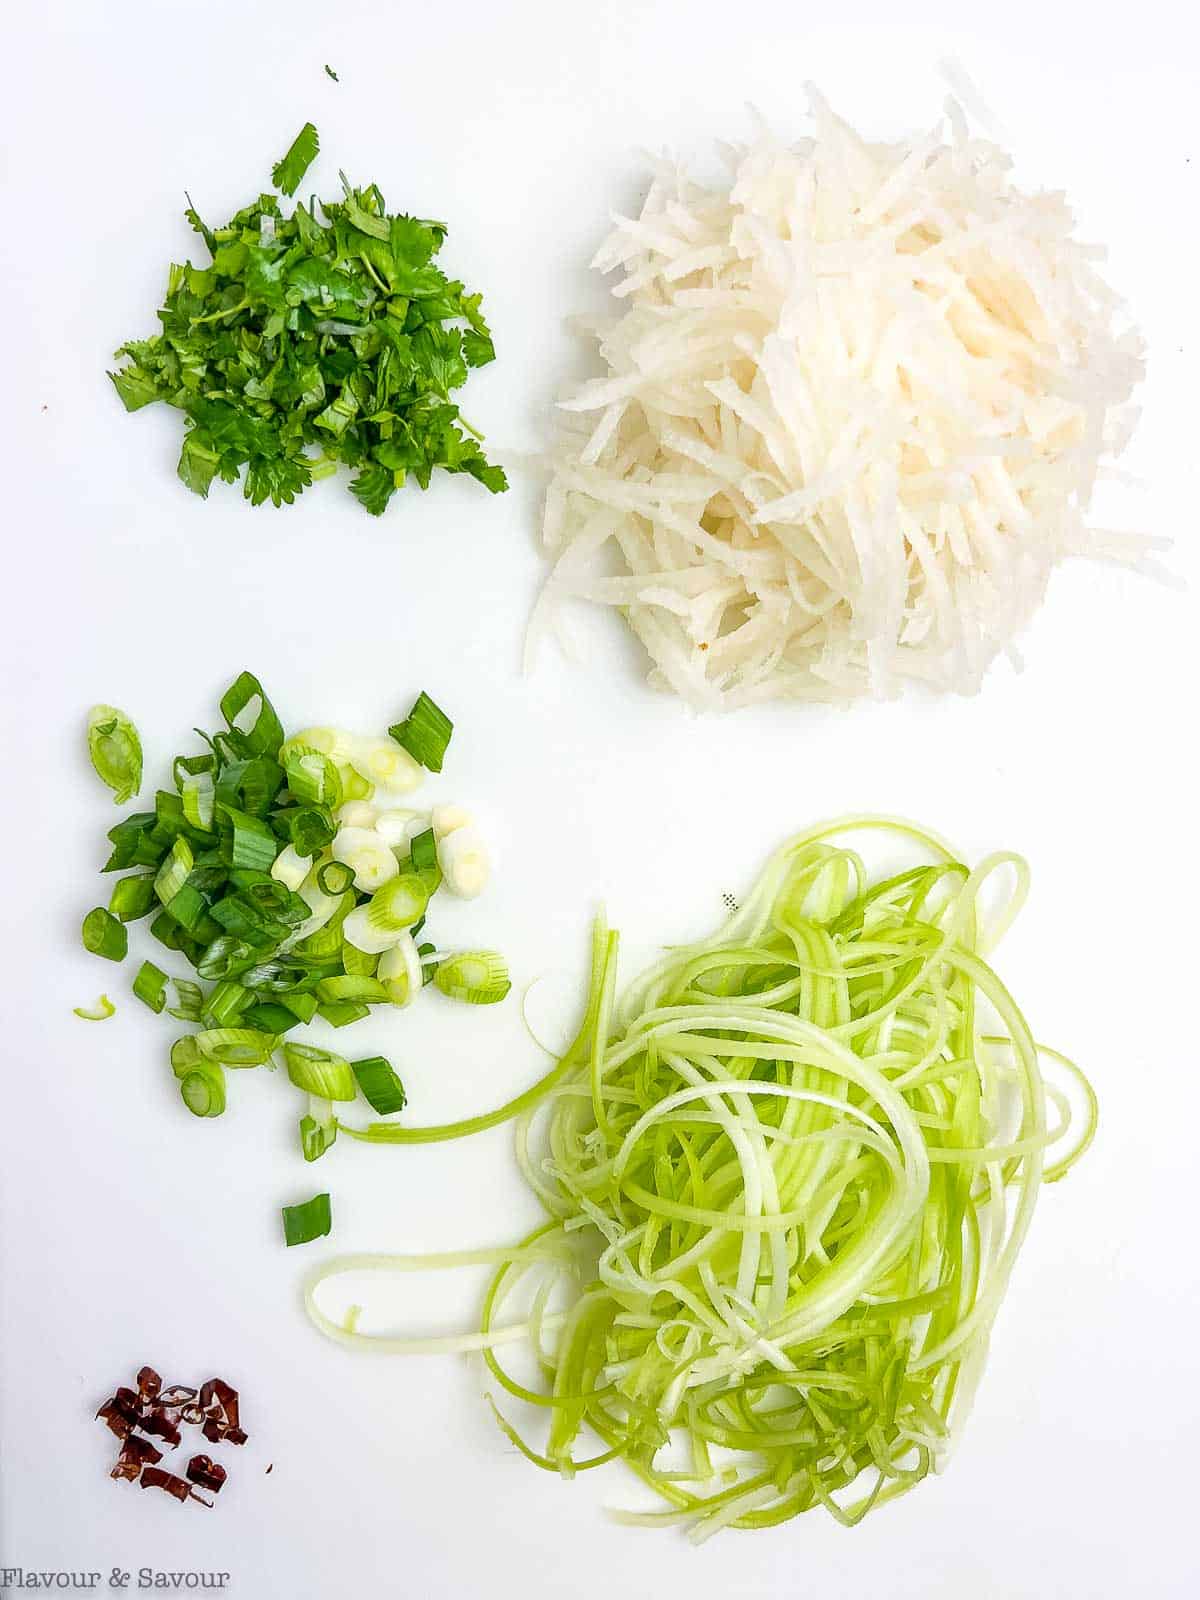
column 855, row 403
column 786, row 1180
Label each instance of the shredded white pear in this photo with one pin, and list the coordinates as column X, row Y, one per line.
column 855, row 403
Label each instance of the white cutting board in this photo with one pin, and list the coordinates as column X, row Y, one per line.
column 132, row 1232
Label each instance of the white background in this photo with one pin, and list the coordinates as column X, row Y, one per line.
column 132, row 1232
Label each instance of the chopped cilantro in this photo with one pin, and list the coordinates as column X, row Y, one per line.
column 328, row 336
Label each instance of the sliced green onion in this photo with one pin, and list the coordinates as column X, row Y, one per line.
column 188, row 909
column 381, row 1088
column 425, row 951
column 325, row 942
column 290, row 867
column 398, row 904
column 203, row 1089
column 132, row 843
column 170, row 823
column 246, row 708
column 316, row 1137
column 302, row 1006
column 313, row 779
column 366, row 854
column 425, row 733
column 185, row 1054
column 480, row 977
column 247, row 841
column 270, row 1016
column 306, row 1222
column 189, row 1000
column 236, row 1047
column 196, row 797
column 132, row 897
column 319, row 1072
column 341, row 1013
column 354, row 785
column 116, row 751
column 173, row 873
column 310, row 829
column 104, row 936
column 331, row 742
column 364, row 937
column 423, row 851
column 399, row 971
column 334, row 877
column 359, row 963
column 225, row 958
column 351, row 986
column 382, row 764
column 247, row 783
column 226, row 1004
column 100, row 1012
column 150, row 986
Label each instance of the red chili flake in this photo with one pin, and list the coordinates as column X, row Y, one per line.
column 161, row 1424
column 271, row 1468
column 119, row 1417
column 219, row 1404
column 179, row 1394
column 209, row 1474
column 149, row 1383
column 192, row 1415
column 136, row 1453
column 156, row 1478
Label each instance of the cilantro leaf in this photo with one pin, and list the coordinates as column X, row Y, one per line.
column 287, row 173
column 373, row 487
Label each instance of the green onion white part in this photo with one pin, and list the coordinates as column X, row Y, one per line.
column 786, row 1177
column 463, row 859
column 399, row 970
column 371, row 858
column 387, row 765
column 100, row 1012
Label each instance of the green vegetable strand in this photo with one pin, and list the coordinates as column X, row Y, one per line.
column 786, row 1179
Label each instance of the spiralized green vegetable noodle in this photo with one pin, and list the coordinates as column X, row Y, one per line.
column 786, row 1179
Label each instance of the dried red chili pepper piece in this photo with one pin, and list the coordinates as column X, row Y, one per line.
column 219, row 1403
column 209, row 1474
column 156, row 1478
column 136, row 1453
column 179, row 1394
column 118, row 1417
column 149, row 1383
column 161, row 1424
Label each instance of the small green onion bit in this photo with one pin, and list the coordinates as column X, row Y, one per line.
column 381, row 1088
column 203, row 1089
column 303, row 1223
column 116, row 751
column 104, row 936
column 479, row 977
column 100, row 1012
column 150, row 986
column 424, row 733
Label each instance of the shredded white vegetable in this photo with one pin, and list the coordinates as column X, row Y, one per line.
column 855, row 402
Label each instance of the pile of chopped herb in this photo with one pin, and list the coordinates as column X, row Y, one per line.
column 289, row 874
column 322, row 337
